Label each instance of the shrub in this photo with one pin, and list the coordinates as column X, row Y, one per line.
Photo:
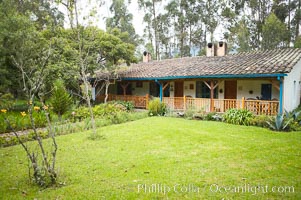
column 295, row 126
column 290, row 121
column 260, row 120
column 101, row 110
column 213, row 116
column 189, row 113
column 119, row 117
column 238, row 116
column 39, row 118
column 280, row 123
column 20, row 122
column 60, row 100
column 6, row 101
column 129, row 105
column 156, row 107
column 108, row 109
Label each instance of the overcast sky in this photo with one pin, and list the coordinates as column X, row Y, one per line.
column 103, row 12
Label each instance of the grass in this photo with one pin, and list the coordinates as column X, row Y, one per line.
column 172, row 152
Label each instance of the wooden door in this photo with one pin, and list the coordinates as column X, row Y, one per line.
column 230, row 89
column 178, row 94
column 179, row 86
column 230, row 95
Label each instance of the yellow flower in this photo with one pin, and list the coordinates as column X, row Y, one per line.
column 45, row 107
column 30, row 102
column 3, row 110
column 36, row 108
column 23, row 114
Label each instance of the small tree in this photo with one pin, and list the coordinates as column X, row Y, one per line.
column 60, row 100
column 31, row 56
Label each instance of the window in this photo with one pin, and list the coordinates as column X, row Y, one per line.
column 202, row 91
column 139, row 84
column 154, row 89
column 266, row 91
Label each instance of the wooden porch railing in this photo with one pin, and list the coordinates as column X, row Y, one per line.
column 138, row 101
column 258, row 107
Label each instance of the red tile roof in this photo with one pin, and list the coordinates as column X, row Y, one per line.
column 276, row 61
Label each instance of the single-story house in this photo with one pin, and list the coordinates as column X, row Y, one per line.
column 264, row 82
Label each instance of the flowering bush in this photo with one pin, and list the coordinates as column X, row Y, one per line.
column 20, row 120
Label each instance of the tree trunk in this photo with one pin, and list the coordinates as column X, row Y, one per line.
column 156, row 32
column 106, row 92
column 298, row 20
column 87, row 97
column 289, row 22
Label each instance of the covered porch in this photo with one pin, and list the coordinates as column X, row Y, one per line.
column 258, row 107
column 256, row 94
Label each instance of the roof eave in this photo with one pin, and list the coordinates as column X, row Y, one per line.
column 206, row 77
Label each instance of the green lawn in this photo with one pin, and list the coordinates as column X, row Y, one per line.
column 194, row 159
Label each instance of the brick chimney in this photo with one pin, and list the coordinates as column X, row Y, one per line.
column 146, row 57
column 211, row 50
column 221, row 49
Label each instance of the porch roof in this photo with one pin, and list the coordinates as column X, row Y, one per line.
column 269, row 63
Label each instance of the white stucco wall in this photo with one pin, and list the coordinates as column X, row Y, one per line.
column 291, row 88
column 221, row 86
column 187, row 90
column 244, row 86
column 140, row 91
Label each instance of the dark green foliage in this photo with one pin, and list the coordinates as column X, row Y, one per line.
column 238, row 116
column 20, row 106
column 6, row 101
column 210, row 116
column 274, row 32
column 297, row 43
column 157, row 108
column 60, row 99
column 122, row 20
column 19, row 122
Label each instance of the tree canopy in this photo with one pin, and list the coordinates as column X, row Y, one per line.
column 32, row 35
column 30, row 29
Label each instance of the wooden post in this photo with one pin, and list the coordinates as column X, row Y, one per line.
column 146, row 100
column 184, row 99
column 243, row 102
column 211, row 96
column 124, row 88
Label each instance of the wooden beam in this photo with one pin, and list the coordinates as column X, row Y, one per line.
column 207, row 84
column 211, row 96
column 124, row 87
column 210, row 86
column 165, row 86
